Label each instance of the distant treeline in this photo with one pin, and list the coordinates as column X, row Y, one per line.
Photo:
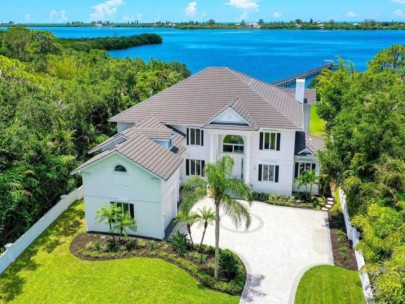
column 368, row 24
column 110, row 43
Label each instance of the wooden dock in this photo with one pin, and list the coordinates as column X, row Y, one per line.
column 291, row 80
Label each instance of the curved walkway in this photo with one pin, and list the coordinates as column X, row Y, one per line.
column 279, row 246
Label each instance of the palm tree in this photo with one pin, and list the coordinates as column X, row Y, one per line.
column 206, row 217
column 188, row 218
column 122, row 223
column 221, row 187
column 108, row 216
column 307, row 179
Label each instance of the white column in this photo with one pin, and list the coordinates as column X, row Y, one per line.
column 246, row 160
column 212, row 148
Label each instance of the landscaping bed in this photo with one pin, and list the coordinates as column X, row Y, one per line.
column 343, row 253
column 316, row 202
column 198, row 263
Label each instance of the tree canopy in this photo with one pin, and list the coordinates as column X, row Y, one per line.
column 54, row 106
column 365, row 126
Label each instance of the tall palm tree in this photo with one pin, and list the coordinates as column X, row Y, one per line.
column 222, row 188
column 188, row 218
column 206, row 217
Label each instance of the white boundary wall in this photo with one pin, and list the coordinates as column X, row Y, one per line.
column 354, row 236
column 15, row 249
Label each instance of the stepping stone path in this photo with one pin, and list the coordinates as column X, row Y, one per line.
column 330, row 201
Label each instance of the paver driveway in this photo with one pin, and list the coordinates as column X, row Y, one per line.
column 280, row 245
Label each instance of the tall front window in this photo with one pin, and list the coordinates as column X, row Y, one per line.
column 195, row 137
column 270, row 141
column 195, row 167
column 233, row 144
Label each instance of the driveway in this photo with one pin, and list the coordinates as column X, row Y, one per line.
column 280, row 245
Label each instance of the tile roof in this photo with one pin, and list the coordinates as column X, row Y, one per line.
column 309, row 95
column 306, row 141
column 197, row 99
column 153, row 157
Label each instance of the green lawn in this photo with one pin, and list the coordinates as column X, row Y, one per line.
column 48, row 273
column 329, row 285
column 317, row 124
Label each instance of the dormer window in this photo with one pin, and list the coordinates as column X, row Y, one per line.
column 120, row 169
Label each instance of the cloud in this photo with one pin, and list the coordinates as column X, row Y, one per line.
column 191, row 9
column 27, row 17
column 399, row 13
column 277, row 15
column 57, row 16
column 351, row 14
column 105, row 9
column 398, row 1
column 244, row 4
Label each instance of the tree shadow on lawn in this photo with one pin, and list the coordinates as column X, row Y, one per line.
column 67, row 225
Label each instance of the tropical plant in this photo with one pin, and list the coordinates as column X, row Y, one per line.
column 222, row 188
column 122, row 223
column 108, row 216
column 188, row 218
column 206, row 216
column 307, row 179
column 180, row 242
column 228, row 264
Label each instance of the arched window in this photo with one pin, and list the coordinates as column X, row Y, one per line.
column 233, row 144
column 120, row 168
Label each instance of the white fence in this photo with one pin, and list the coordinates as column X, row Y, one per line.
column 354, row 236
column 15, row 249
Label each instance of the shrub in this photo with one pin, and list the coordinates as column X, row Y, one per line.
column 343, row 253
column 193, row 255
column 341, row 236
column 202, row 258
column 153, row 245
column 180, row 243
column 228, row 264
column 132, row 244
column 112, row 246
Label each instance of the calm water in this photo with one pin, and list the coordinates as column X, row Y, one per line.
column 266, row 55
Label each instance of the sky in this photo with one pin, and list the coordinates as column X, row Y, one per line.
column 62, row 11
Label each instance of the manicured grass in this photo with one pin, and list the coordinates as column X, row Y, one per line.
column 317, row 124
column 48, row 273
column 329, row 285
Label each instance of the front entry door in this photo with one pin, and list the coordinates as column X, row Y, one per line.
column 237, row 171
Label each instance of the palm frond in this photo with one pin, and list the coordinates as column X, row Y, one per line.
column 240, row 189
column 236, row 210
column 194, row 190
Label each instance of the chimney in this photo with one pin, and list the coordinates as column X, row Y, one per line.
column 300, row 90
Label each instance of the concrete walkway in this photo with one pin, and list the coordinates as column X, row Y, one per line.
column 280, row 245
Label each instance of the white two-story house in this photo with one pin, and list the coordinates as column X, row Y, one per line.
column 168, row 138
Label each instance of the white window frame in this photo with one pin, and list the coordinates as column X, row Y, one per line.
column 305, row 163
column 127, row 209
column 193, row 137
column 194, row 165
column 266, row 168
column 270, row 137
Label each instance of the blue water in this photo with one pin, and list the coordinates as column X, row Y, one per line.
column 268, row 55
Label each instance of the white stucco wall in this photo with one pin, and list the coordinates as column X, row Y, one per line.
column 308, row 159
column 283, row 158
column 139, row 187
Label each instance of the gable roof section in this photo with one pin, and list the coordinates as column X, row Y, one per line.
column 142, row 150
column 305, row 141
column 198, row 99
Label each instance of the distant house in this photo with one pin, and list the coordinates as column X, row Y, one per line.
column 168, row 138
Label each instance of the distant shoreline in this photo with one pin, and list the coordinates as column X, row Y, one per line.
column 364, row 26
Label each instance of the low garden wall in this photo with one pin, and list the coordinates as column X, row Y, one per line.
column 15, row 249
column 354, row 236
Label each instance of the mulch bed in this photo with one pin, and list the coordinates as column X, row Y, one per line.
column 336, row 223
column 150, row 249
